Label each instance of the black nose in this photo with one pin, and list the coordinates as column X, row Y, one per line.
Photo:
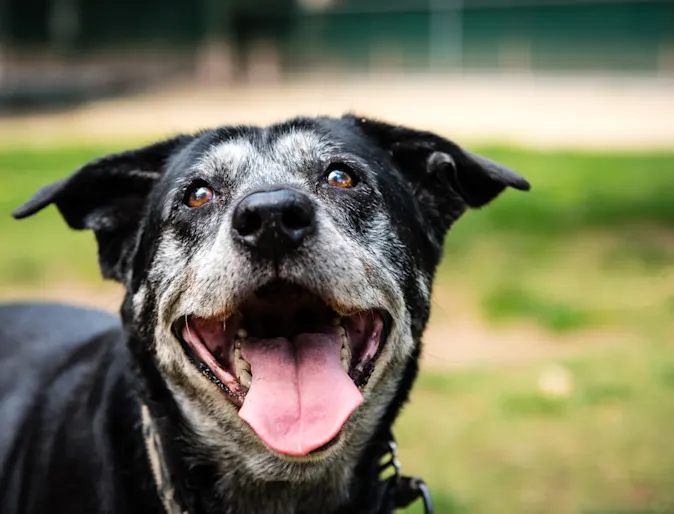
column 274, row 222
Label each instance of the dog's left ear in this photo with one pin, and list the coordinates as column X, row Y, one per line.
column 438, row 168
column 108, row 196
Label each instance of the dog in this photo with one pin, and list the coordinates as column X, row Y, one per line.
column 278, row 282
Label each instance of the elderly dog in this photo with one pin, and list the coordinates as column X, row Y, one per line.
column 277, row 282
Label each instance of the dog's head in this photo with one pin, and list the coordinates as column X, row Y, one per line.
column 279, row 277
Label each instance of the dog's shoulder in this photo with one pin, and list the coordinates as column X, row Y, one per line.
column 39, row 338
column 34, row 324
column 58, row 366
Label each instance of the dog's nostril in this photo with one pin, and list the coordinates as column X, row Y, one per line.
column 248, row 223
column 296, row 219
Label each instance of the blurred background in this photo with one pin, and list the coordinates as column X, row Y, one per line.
column 547, row 382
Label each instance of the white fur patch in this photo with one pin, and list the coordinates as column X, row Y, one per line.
column 231, row 157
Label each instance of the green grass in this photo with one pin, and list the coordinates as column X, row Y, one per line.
column 490, row 441
column 513, row 302
column 579, row 191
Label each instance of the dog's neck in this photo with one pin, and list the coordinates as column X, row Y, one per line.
column 207, row 489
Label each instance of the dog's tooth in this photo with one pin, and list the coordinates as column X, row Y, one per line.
column 241, row 334
column 345, row 339
column 345, row 351
column 345, row 357
column 245, row 378
column 239, row 362
column 337, row 321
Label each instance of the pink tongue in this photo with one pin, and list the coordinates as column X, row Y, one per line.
column 300, row 396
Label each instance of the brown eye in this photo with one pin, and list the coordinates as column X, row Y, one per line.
column 340, row 178
column 198, row 196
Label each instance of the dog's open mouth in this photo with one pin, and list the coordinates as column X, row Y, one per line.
column 292, row 363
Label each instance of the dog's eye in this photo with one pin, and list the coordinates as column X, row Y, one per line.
column 198, row 195
column 340, row 178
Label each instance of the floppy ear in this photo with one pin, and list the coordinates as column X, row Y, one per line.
column 439, row 170
column 108, row 196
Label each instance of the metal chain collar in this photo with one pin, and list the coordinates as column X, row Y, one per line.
column 404, row 490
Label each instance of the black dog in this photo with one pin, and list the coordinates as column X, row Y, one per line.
column 278, row 283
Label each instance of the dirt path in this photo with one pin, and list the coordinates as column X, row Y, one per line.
column 579, row 112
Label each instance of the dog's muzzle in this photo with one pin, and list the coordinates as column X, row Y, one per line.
column 293, row 365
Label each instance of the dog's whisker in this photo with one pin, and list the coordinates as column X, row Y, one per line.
column 187, row 327
column 439, row 307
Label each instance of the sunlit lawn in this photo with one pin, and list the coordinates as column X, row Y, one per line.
column 491, row 441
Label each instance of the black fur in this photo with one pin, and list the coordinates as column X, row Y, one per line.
column 71, row 380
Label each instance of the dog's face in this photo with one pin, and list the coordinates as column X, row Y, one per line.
column 279, row 276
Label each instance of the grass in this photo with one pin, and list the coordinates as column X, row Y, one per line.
column 579, row 191
column 511, row 301
column 492, row 441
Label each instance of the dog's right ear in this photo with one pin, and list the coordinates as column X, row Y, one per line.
column 445, row 178
column 108, row 196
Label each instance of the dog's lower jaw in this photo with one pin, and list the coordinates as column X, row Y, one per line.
column 221, row 479
column 245, row 479
column 208, row 482
column 346, row 485
column 210, row 475
column 322, row 494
